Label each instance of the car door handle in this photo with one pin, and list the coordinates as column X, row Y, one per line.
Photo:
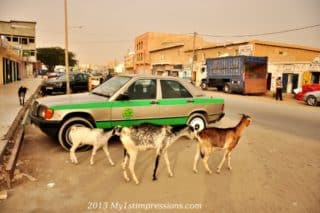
column 154, row 102
column 190, row 101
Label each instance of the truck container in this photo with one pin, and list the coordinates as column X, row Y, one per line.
column 239, row 74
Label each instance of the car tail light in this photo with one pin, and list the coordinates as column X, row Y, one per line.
column 222, row 107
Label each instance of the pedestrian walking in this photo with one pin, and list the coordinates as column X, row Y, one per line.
column 279, row 89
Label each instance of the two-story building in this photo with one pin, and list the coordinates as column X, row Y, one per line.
column 21, row 36
column 163, row 52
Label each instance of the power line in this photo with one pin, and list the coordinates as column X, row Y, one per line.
column 262, row 34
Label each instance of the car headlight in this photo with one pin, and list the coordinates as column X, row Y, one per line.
column 45, row 112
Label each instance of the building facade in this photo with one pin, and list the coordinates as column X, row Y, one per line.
column 163, row 52
column 21, row 36
column 11, row 63
column 293, row 63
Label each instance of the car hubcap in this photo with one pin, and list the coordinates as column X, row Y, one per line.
column 197, row 123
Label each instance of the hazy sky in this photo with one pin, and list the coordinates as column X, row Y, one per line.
column 103, row 30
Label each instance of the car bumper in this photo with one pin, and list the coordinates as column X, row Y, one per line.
column 215, row 117
column 50, row 128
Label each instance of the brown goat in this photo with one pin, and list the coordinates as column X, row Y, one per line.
column 223, row 138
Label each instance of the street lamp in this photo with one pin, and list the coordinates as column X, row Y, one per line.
column 66, row 46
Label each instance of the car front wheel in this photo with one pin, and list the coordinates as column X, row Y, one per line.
column 197, row 121
column 63, row 135
column 311, row 100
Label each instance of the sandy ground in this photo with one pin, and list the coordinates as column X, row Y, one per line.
column 272, row 172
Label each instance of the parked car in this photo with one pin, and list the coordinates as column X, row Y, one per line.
column 78, row 83
column 127, row 100
column 54, row 75
column 312, row 98
column 306, row 88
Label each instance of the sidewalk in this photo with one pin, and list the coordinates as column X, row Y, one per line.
column 9, row 102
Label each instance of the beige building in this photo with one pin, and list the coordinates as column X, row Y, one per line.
column 21, row 36
column 11, row 63
column 296, row 64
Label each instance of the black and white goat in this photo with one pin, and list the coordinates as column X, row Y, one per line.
column 147, row 136
column 223, row 138
column 95, row 137
column 22, row 94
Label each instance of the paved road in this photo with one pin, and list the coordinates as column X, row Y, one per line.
column 276, row 168
column 287, row 116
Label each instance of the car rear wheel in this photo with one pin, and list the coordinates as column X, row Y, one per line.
column 197, row 121
column 63, row 135
column 227, row 88
column 311, row 100
column 204, row 86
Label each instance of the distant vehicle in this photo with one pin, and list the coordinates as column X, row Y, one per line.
column 306, row 88
column 78, row 83
column 42, row 72
column 127, row 100
column 54, row 75
column 312, row 98
column 240, row 74
column 96, row 78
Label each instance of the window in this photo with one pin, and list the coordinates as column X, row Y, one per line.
column 143, row 89
column 15, row 39
column 8, row 38
column 24, row 41
column 31, row 40
column 173, row 89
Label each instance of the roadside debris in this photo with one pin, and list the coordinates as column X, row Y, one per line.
column 3, row 195
column 51, row 185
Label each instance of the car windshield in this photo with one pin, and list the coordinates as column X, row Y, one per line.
column 111, row 86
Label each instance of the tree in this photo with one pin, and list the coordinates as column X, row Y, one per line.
column 52, row 56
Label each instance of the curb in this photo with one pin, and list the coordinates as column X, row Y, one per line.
column 14, row 138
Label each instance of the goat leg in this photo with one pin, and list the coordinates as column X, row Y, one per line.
column 124, row 165
column 196, row 159
column 94, row 151
column 105, row 149
column 132, row 161
column 222, row 161
column 73, row 157
column 168, row 163
column 205, row 159
column 229, row 161
column 155, row 168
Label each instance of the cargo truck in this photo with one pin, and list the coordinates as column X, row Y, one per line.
column 238, row 74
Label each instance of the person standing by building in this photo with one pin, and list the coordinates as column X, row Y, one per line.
column 279, row 89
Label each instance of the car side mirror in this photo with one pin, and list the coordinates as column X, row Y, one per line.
column 123, row 97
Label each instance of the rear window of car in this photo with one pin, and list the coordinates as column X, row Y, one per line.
column 173, row 89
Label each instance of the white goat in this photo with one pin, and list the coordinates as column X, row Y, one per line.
column 223, row 138
column 148, row 136
column 95, row 137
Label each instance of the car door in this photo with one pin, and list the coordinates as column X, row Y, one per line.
column 176, row 102
column 141, row 106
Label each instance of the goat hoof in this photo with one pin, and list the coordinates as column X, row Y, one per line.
column 230, row 168
column 137, row 183
column 154, row 179
column 195, row 171
column 112, row 164
column 218, row 171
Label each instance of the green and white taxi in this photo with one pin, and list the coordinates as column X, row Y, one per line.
column 127, row 100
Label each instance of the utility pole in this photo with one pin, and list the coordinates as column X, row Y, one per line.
column 66, row 52
column 193, row 54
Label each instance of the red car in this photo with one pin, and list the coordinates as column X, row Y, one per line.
column 306, row 88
